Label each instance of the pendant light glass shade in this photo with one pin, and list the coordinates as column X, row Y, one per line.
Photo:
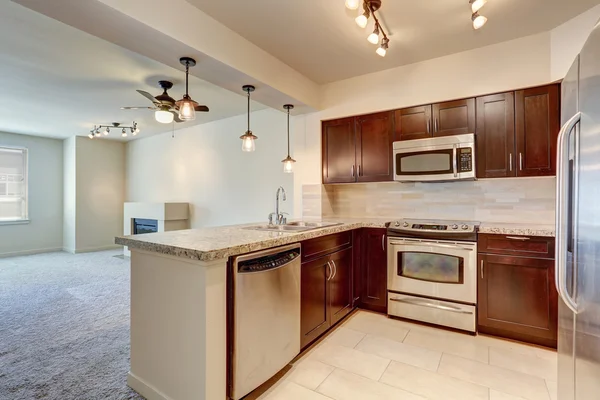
column 248, row 138
column 187, row 111
column 352, row 4
column 164, row 117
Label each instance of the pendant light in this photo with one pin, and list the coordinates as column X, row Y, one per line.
column 288, row 162
column 187, row 106
column 248, row 138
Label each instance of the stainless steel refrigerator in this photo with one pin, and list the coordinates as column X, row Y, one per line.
column 578, row 228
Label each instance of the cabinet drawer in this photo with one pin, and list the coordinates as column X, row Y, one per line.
column 515, row 245
column 325, row 245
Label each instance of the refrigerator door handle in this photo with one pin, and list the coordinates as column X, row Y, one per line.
column 562, row 192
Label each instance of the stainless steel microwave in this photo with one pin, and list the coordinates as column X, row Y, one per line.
column 445, row 158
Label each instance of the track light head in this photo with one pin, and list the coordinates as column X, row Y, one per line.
column 478, row 20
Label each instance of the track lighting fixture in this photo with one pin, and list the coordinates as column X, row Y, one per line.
column 370, row 7
column 476, row 5
column 248, row 138
column 95, row 133
column 478, row 20
column 352, row 4
column 288, row 162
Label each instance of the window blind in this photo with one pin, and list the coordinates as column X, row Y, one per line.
column 13, row 184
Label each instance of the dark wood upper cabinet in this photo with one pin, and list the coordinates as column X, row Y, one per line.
column 496, row 136
column 537, row 127
column 413, row 123
column 339, row 151
column 374, row 270
column 517, row 298
column 375, row 138
column 340, row 285
column 314, row 318
column 454, row 117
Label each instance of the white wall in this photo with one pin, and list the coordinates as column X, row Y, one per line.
column 500, row 67
column 44, row 232
column 568, row 39
column 205, row 166
column 69, row 194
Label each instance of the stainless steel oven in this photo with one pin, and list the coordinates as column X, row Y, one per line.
column 432, row 272
column 445, row 158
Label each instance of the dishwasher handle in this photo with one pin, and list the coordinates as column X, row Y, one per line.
column 269, row 262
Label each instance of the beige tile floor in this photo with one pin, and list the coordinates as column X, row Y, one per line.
column 371, row 357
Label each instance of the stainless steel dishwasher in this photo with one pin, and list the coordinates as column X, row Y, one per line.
column 266, row 316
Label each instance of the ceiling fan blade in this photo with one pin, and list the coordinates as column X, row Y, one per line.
column 148, row 96
column 201, row 108
column 176, row 116
column 138, row 108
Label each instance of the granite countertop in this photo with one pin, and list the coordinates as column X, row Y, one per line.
column 208, row 244
column 522, row 229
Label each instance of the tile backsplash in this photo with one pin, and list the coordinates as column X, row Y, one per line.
column 529, row 200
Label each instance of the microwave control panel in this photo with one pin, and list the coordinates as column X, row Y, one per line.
column 465, row 159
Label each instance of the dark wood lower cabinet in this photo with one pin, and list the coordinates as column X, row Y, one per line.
column 340, row 285
column 517, row 298
column 314, row 318
column 374, row 270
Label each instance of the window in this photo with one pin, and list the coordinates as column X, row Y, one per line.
column 13, row 184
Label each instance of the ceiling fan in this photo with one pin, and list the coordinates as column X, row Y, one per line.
column 167, row 109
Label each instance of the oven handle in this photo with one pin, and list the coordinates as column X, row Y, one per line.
column 443, row 246
column 425, row 303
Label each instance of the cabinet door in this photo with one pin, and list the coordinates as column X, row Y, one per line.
column 538, row 123
column 454, row 117
column 517, row 298
column 374, row 270
column 340, row 285
column 357, row 281
column 375, row 137
column 314, row 318
column 413, row 123
column 339, row 156
column 496, row 136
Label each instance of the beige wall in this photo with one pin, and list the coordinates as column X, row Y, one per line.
column 44, row 232
column 69, row 194
column 485, row 70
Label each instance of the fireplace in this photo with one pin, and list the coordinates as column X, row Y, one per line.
column 141, row 225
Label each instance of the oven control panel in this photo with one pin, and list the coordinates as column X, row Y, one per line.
column 465, row 159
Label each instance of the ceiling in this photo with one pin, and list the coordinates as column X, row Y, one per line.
column 60, row 81
column 320, row 39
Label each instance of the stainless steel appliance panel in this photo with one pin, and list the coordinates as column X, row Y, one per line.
column 587, row 300
column 266, row 316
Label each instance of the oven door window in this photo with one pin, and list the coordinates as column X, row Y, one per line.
column 431, row 267
column 430, row 162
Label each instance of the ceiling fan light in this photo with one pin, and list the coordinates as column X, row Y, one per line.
column 478, row 20
column 477, row 4
column 187, row 110
column 352, row 4
column 164, row 117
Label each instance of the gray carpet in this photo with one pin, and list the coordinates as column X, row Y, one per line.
column 64, row 327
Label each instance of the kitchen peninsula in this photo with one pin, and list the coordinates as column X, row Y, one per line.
column 179, row 298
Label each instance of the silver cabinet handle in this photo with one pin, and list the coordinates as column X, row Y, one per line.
column 435, row 125
column 562, row 175
column 481, row 269
column 520, row 161
column 425, row 303
column 352, row 170
column 523, row 239
column 428, row 124
column 383, row 242
column 330, row 271
column 510, row 162
column 334, row 269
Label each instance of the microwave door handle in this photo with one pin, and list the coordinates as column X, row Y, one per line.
column 454, row 162
column 562, row 203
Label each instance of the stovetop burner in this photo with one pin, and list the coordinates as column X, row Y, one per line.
column 435, row 229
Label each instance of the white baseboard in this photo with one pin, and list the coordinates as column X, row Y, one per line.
column 146, row 390
column 93, row 249
column 30, row 252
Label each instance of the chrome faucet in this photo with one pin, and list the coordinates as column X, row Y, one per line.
column 279, row 216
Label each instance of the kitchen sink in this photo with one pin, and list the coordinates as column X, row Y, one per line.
column 297, row 226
